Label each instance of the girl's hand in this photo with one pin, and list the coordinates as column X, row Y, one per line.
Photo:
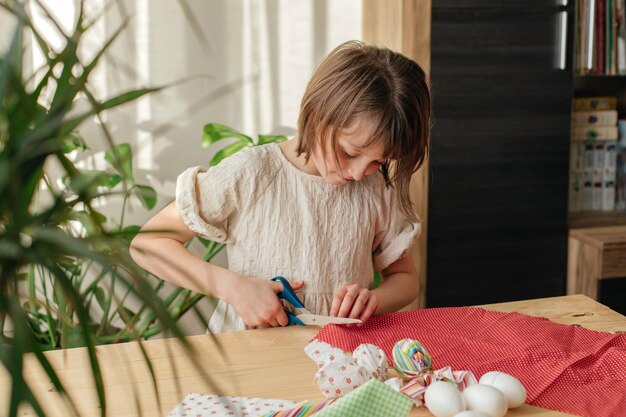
column 355, row 302
column 255, row 300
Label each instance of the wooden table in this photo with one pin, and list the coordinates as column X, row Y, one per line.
column 266, row 363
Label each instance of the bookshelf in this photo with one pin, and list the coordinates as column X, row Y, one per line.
column 593, row 81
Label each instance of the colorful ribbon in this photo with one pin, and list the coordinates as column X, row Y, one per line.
column 416, row 387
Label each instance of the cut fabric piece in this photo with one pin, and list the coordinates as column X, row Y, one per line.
column 372, row 399
column 198, row 405
column 564, row 368
column 340, row 372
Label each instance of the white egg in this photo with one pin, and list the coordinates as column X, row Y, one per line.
column 443, row 399
column 471, row 413
column 486, row 399
column 510, row 386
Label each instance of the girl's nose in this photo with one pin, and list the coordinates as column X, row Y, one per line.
column 358, row 172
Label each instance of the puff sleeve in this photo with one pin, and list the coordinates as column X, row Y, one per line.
column 396, row 233
column 209, row 200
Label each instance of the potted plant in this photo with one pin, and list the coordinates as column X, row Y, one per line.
column 49, row 233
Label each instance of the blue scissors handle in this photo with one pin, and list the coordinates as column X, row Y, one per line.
column 289, row 294
column 293, row 319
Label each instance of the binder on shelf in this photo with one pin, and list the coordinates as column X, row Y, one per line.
column 590, row 132
column 587, row 189
column 575, row 190
column 595, row 103
column 608, row 196
column 588, row 158
column 596, row 194
column 595, row 118
column 610, row 160
column 599, row 156
column 577, row 156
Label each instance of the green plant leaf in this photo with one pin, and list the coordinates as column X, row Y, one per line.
column 205, row 242
column 73, row 142
column 121, row 157
column 72, row 267
column 377, row 279
column 100, row 297
column 92, row 221
column 72, row 123
column 130, row 232
column 89, row 181
column 146, row 194
column 72, row 337
column 10, row 249
column 109, row 180
column 126, row 314
column 264, row 139
column 214, row 132
column 228, row 151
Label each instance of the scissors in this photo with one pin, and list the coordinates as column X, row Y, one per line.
column 302, row 316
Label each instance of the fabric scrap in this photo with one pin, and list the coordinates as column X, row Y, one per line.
column 372, row 399
column 198, row 405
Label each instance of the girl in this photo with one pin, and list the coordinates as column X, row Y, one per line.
column 324, row 209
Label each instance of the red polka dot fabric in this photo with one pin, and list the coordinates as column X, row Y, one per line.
column 563, row 368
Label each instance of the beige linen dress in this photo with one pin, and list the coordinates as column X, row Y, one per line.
column 278, row 220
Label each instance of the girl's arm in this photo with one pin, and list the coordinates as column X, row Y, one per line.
column 399, row 287
column 159, row 248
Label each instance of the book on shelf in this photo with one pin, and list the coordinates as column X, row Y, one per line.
column 620, row 9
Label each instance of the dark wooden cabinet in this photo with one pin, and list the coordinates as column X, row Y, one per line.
column 497, row 200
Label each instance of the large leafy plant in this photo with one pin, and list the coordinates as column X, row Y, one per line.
column 50, row 233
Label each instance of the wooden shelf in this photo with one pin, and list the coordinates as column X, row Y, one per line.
column 596, row 219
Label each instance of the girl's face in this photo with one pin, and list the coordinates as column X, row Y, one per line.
column 355, row 162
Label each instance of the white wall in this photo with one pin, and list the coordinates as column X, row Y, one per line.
column 250, row 74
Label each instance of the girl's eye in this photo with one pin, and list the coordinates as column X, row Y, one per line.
column 346, row 154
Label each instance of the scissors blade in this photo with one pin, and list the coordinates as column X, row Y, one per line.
column 317, row 320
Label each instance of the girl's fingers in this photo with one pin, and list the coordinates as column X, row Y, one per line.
column 370, row 309
column 278, row 287
column 359, row 303
column 296, row 285
column 282, row 319
column 337, row 299
column 348, row 301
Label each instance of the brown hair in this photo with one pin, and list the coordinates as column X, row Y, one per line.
column 384, row 87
